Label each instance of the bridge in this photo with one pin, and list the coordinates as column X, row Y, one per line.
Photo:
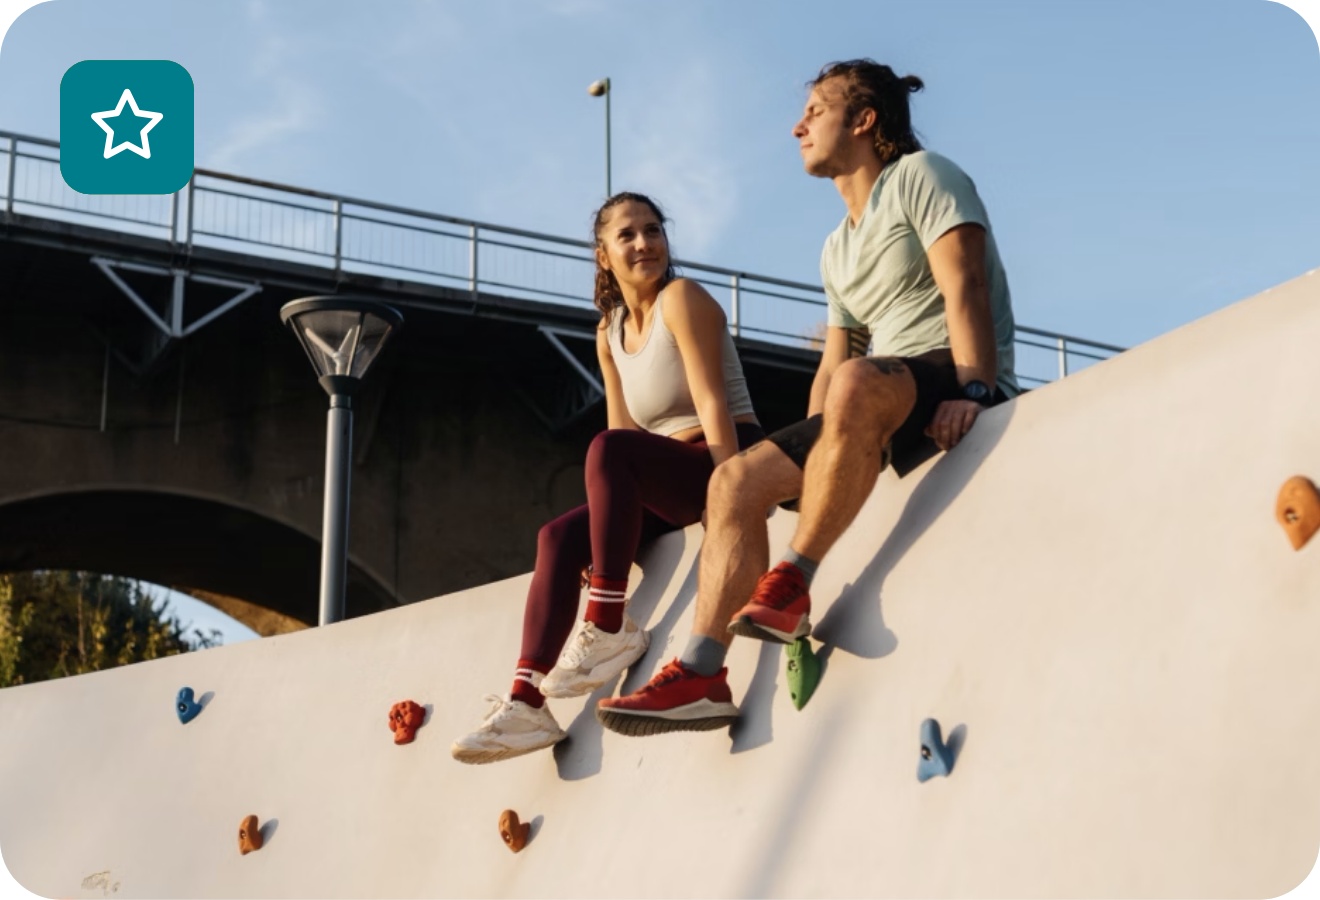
column 158, row 422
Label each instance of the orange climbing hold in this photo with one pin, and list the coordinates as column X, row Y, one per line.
column 1298, row 510
column 249, row 836
column 512, row 831
column 405, row 718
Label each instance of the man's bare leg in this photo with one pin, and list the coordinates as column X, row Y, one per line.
column 868, row 401
column 693, row 694
column 737, row 546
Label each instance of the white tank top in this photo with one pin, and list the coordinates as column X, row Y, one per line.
column 655, row 387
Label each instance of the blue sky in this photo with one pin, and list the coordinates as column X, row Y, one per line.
column 1144, row 163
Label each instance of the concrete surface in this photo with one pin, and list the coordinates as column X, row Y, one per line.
column 1092, row 590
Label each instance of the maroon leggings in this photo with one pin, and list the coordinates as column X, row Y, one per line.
column 639, row 486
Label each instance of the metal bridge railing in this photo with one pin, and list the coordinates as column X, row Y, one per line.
column 348, row 235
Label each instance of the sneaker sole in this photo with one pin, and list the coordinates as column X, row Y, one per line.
column 640, row 724
column 479, row 756
column 598, row 676
column 745, row 626
column 643, row 726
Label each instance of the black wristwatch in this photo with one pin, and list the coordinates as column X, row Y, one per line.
column 978, row 391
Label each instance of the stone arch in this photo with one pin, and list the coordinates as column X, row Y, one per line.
column 213, row 549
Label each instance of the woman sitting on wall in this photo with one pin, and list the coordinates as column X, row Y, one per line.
column 677, row 407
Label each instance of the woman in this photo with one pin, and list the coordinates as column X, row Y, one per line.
column 677, row 407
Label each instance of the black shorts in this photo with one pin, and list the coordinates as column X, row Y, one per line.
column 937, row 381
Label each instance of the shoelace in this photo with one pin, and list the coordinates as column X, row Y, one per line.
column 778, row 592
column 498, row 705
column 671, row 672
column 582, row 642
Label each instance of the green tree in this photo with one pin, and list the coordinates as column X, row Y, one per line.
column 54, row 624
column 13, row 622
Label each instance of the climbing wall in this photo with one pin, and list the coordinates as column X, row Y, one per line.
column 1097, row 598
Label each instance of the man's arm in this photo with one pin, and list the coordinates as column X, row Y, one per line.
column 841, row 345
column 957, row 261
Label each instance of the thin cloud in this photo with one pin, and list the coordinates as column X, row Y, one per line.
column 679, row 153
column 415, row 53
column 575, row 8
column 294, row 109
column 291, row 104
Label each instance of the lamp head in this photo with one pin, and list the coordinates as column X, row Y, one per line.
column 342, row 336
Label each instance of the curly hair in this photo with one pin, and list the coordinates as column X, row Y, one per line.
column 607, row 295
column 869, row 85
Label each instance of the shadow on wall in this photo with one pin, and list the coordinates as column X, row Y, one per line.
column 581, row 756
column 854, row 623
column 761, row 878
column 755, row 725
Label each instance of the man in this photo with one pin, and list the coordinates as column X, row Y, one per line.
column 915, row 264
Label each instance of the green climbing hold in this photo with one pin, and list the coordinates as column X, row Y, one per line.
column 803, row 671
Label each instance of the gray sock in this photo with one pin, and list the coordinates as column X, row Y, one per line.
column 806, row 566
column 704, row 655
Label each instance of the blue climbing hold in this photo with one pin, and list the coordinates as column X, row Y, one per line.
column 936, row 758
column 186, row 706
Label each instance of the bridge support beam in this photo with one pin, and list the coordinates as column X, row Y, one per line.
column 172, row 325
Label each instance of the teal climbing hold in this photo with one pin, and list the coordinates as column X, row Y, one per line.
column 936, row 757
column 803, row 671
column 186, row 706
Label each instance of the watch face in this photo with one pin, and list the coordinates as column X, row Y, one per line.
column 976, row 390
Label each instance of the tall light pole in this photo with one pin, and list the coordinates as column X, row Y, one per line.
column 342, row 337
column 601, row 88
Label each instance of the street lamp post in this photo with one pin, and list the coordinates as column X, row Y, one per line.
column 601, row 88
column 342, row 337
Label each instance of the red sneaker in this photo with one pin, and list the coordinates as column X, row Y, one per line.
column 676, row 699
column 779, row 610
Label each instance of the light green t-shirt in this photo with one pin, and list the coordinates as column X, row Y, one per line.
column 876, row 274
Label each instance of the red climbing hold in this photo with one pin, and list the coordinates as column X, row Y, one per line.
column 405, row 718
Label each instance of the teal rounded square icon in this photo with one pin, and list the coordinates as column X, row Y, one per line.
column 126, row 126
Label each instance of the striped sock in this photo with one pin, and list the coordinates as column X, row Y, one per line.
column 527, row 684
column 605, row 602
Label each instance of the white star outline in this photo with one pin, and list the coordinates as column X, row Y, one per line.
column 110, row 150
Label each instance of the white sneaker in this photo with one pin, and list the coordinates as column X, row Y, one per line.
column 592, row 657
column 511, row 728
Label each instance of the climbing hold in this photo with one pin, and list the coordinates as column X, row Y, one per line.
column 186, row 706
column 803, row 671
column 249, row 835
column 1298, row 510
column 405, row 718
column 936, row 758
column 513, row 832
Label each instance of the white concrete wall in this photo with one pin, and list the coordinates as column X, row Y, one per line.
column 1093, row 586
